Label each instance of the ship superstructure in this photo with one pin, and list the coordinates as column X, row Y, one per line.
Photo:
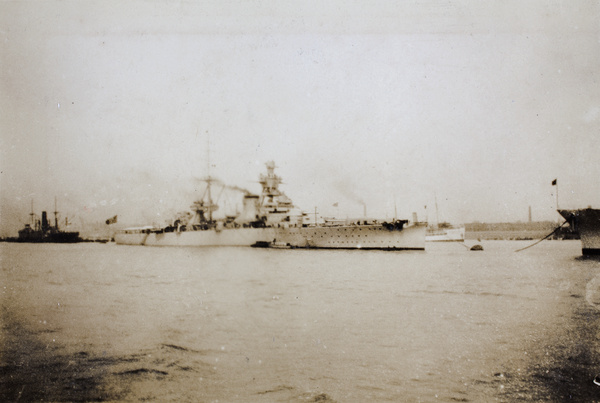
column 274, row 205
column 260, row 215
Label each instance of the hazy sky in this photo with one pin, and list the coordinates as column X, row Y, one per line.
column 110, row 105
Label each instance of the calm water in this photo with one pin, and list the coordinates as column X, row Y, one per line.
column 92, row 322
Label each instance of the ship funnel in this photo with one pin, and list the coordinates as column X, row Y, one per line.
column 365, row 210
column 44, row 221
column 414, row 216
column 250, row 209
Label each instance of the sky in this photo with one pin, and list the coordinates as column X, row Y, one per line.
column 120, row 108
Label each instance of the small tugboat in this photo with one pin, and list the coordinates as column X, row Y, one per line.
column 41, row 231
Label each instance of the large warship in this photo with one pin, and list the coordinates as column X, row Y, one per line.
column 40, row 230
column 271, row 219
column 587, row 223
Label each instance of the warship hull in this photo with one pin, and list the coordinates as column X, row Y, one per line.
column 343, row 237
column 352, row 237
column 210, row 237
column 587, row 223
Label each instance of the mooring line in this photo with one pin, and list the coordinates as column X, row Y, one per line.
column 535, row 243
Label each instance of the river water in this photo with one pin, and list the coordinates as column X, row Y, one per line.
column 105, row 322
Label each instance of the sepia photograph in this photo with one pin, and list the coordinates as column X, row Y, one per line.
column 299, row 201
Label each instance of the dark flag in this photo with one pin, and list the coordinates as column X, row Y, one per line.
column 554, row 182
column 112, row 220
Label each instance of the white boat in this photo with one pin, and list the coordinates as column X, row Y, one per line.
column 445, row 234
column 271, row 219
column 587, row 223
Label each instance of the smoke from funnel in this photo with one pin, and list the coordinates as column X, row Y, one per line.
column 346, row 190
column 229, row 187
column 239, row 189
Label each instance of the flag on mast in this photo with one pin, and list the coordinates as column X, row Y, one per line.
column 555, row 183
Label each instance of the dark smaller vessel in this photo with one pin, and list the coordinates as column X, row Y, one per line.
column 42, row 231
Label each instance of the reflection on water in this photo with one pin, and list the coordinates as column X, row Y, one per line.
column 92, row 322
